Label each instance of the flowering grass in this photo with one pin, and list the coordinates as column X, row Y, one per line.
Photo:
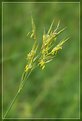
column 46, row 54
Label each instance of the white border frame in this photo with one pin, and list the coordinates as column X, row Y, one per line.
column 2, row 60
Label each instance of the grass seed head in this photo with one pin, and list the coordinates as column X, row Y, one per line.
column 47, row 51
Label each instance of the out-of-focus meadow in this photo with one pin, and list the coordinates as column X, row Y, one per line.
column 54, row 91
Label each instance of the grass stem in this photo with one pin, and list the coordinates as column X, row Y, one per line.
column 18, row 92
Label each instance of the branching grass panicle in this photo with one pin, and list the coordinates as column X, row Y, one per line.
column 46, row 54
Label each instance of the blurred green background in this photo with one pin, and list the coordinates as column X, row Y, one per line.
column 54, row 91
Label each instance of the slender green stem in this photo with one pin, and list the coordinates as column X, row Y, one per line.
column 9, row 108
column 18, row 92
